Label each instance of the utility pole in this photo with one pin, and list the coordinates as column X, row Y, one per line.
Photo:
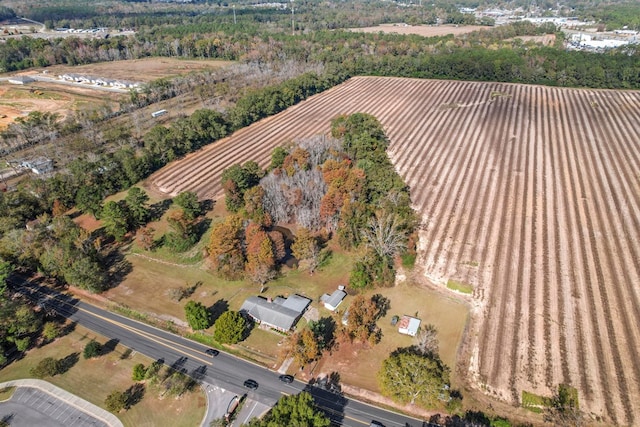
column 293, row 28
column 234, row 15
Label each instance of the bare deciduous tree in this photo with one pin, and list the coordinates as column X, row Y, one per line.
column 384, row 234
column 428, row 340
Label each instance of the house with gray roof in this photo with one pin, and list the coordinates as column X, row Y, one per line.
column 280, row 313
column 331, row 302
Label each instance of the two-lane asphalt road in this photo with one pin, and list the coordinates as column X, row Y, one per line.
column 225, row 371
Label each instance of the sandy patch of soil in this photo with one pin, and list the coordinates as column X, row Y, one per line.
column 141, row 70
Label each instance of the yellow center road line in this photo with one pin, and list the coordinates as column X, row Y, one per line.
column 143, row 333
column 159, row 340
column 324, row 408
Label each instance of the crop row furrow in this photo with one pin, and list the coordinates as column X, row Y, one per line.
column 587, row 247
column 460, row 167
column 503, row 259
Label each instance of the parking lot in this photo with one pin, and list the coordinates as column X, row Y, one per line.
column 32, row 407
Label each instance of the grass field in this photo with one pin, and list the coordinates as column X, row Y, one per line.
column 359, row 366
column 6, row 393
column 152, row 274
column 94, row 379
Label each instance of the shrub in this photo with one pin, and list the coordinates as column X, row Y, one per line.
column 92, row 349
column 230, row 327
column 116, row 401
column 139, row 372
column 48, row 367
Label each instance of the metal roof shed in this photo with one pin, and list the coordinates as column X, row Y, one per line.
column 409, row 325
column 331, row 302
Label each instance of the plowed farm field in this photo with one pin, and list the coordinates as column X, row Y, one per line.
column 529, row 194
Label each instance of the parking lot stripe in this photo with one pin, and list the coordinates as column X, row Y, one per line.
column 41, row 403
column 28, row 397
column 65, row 408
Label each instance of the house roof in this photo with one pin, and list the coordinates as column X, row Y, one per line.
column 281, row 313
column 296, row 303
column 334, row 299
column 409, row 324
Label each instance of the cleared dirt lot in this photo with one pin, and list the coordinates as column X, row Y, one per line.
column 140, row 70
column 421, row 30
column 18, row 101
column 530, row 194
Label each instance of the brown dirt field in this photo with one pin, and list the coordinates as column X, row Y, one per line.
column 140, row 70
column 421, row 30
column 546, row 40
column 17, row 101
column 529, row 194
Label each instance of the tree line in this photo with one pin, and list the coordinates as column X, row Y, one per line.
column 472, row 57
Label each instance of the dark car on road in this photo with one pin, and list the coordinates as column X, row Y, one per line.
column 286, row 378
column 252, row 384
column 211, row 352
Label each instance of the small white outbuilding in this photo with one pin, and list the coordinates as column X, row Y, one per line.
column 409, row 325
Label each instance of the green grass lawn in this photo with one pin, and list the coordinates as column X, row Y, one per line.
column 261, row 346
column 6, row 393
column 153, row 274
column 460, row 286
column 94, row 379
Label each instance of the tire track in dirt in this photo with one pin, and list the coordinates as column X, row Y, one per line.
column 473, row 158
column 459, row 167
column 472, row 244
column 546, row 281
column 519, row 240
column 535, row 339
column 447, row 196
column 562, row 372
column 527, row 273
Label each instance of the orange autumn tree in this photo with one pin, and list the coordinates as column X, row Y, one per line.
column 261, row 260
column 225, row 248
column 344, row 185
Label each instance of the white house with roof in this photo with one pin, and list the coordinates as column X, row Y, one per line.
column 280, row 313
column 331, row 302
column 409, row 325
